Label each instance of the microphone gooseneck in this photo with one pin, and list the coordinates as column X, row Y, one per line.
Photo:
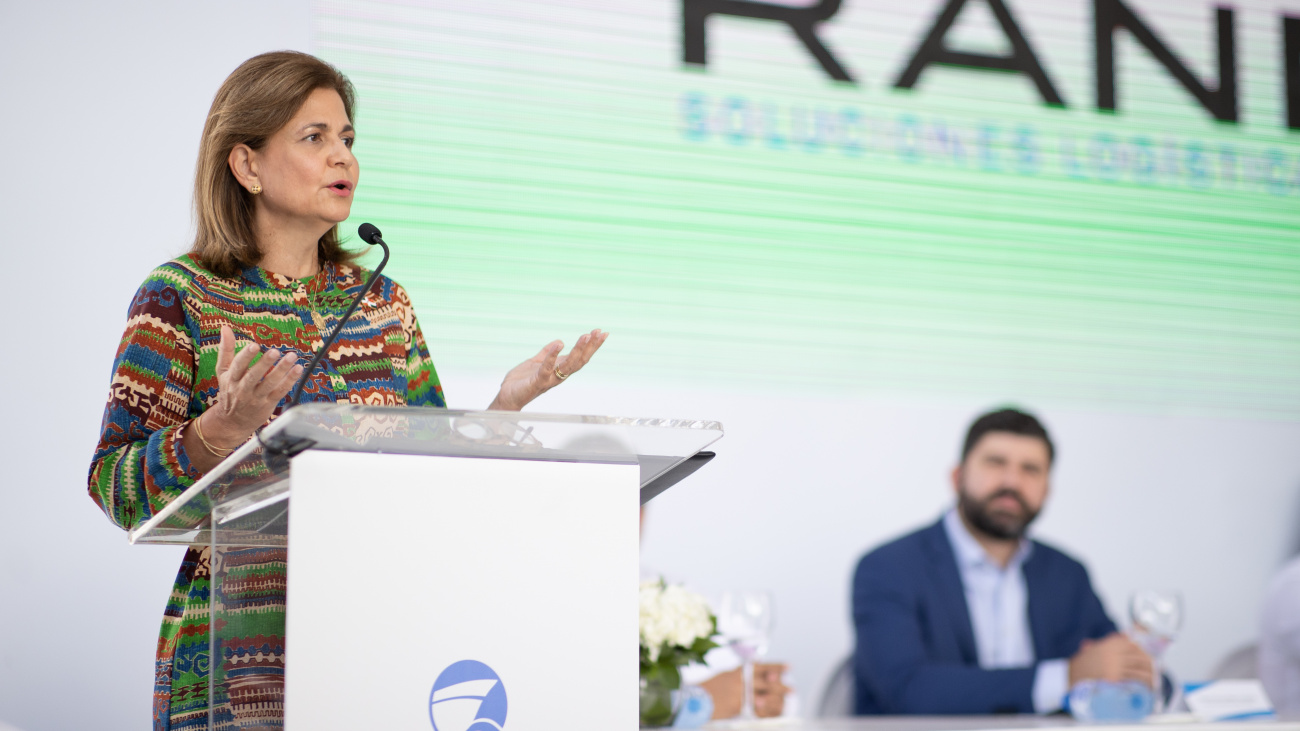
column 370, row 234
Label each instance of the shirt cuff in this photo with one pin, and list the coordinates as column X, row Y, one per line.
column 167, row 461
column 1051, row 682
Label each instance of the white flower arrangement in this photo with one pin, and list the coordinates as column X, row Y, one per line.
column 677, row 628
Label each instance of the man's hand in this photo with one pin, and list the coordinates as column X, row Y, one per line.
column 728, row 691
column 1113, row 658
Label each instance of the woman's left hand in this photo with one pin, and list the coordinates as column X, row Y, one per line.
column 544, row 371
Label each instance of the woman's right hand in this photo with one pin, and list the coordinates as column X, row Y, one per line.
column 246, row 395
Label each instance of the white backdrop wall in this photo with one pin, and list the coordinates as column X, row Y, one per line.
column 104, row 105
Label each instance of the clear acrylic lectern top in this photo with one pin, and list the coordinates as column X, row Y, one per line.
column 247, row 495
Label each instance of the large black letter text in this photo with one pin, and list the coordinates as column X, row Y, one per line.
column 1022, row 58
column 800, row 20
column 1291, row 62
column 1111, row 15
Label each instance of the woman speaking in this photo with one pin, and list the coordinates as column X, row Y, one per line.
column 267, row 275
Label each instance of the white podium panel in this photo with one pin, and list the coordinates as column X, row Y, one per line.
column 456, row 594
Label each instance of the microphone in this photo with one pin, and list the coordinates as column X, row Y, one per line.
column 369, row 234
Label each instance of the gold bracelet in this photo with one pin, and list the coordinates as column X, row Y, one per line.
column 198, row 431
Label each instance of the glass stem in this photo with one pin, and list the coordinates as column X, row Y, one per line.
column 1161, row 703
column 747, row 709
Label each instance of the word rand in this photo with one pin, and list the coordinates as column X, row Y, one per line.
column 1109, row 16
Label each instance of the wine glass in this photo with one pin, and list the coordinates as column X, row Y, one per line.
column 745, row 621
column 1157, row 617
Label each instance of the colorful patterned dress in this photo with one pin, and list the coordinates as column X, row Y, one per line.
column 165, row 375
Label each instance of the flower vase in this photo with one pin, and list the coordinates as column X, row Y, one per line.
column 657, row 710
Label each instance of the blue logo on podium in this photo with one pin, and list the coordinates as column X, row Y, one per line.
column 468, row 696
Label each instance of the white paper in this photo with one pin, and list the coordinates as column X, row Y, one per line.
column 1224, row 700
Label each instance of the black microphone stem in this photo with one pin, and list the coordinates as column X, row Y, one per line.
column 324, row 348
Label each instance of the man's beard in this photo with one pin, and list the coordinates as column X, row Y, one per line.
column 996, row 523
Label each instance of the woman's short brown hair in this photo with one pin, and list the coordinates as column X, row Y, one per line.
column 253, row 103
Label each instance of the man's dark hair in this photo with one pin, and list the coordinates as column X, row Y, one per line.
column 1007, row 420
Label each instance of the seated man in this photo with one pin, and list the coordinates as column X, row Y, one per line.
column 969, row 616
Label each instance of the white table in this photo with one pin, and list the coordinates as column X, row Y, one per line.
column 994, row 723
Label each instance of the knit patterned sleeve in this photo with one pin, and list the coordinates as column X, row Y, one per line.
column 422, row 386
column 140, row 464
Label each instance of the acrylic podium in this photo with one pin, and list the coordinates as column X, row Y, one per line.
column 454, row 570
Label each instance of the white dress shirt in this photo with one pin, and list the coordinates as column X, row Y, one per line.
column 998, row 602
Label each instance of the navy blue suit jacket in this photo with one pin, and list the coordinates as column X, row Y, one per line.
column 915, row 647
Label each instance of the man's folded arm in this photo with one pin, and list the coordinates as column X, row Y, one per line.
column 1051, row 683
